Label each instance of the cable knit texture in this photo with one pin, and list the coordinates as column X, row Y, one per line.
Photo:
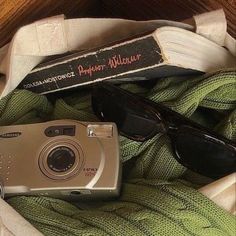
column 155, row 200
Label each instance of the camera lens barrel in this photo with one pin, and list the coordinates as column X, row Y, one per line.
column 61, row 159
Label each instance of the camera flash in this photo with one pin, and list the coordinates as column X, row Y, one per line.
column 101, row 131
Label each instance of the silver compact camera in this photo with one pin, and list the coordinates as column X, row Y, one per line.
column 64, row 158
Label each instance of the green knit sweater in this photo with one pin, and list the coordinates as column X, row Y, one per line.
column 155, row 200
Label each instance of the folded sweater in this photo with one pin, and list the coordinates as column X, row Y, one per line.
column 155, row 200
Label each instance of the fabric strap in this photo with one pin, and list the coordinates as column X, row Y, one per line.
column 13, row 224
column 214, row 27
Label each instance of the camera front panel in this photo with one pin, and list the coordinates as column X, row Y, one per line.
column 60, row 157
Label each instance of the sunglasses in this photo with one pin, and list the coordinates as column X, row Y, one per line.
column 195, row 147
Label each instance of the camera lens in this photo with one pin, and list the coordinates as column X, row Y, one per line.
column 61, row 159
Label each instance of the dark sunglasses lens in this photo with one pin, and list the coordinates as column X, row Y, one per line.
column 205, row 156
column 110, row 104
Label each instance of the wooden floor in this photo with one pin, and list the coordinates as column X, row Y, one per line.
column 15, row 13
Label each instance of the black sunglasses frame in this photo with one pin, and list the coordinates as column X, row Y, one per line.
column 157, row 117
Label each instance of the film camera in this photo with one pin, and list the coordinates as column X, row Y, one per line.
column 63, row 158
